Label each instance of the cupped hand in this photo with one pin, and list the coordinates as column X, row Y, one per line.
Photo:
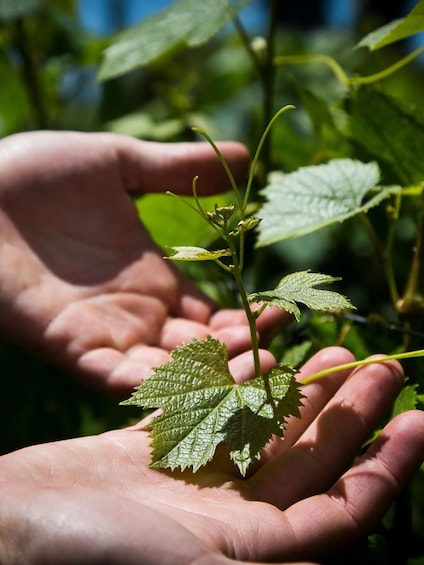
column 94, row 500
column 82, row 284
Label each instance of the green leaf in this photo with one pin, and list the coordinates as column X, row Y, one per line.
column 185, row 23
column 314, row 197
column 396, row 30
column 408, row 399
column 167, row 220
column 300, row 287
column 187, row 253
column 12, row 10
column 295, row 355
column 202, row 407
column 390, row 130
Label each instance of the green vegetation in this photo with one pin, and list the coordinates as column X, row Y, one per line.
column 338, row 184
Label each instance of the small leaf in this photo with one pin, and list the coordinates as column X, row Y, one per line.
column 300, row 287
column 187, row 253
column 314, row 197
column 408, row 399
column 203, row 407
column 246, row 225
column 396, row 30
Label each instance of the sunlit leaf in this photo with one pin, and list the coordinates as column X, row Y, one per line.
column 314, row 197
column 202, row 407
column 396, row 30
column 300, row 288
column 185, row 23
column 187, row 253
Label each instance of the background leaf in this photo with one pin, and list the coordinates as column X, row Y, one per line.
column 389, row 131
column 186, row 23
column 169, row 221
column 314, row 197
column 396, row 30
column 12, row 10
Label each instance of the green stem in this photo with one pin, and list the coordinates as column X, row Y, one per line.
column 251, row 317
column 30, row 75
column 339, row 72
column 226, row 167
column 413, row 299
column 389, row 70
column 363, row 362
column 267, row 77
column 302, row 59
column 259, row 149
column 247, row 44
column 385, row 258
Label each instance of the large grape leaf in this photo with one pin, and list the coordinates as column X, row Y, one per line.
column 396, row 30
column 300, row 287
column 185, row 23
column 314, row 197
column 202, row 406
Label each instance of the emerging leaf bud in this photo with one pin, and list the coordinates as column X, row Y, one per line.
column 221, row 214
column 246, row 225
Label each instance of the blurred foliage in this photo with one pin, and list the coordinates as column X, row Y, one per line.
column 229, row 85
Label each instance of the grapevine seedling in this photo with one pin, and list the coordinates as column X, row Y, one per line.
column 202, row 406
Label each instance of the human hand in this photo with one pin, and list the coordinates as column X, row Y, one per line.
column 94, row 499
column 82, row 284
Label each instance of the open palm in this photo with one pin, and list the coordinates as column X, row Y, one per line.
column 82, row 283
column 94, row 500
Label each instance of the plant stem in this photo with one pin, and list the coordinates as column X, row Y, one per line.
column 267, row 77
column 30, row 74
column 363, row 362
column 413, row 300
column 225, row 166
column 339, row 72
column 385, row 258
column 251, row 317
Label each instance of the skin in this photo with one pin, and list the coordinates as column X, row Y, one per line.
column 82, row 283
column 94, row 500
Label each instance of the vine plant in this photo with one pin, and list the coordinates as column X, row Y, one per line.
column 202, row 404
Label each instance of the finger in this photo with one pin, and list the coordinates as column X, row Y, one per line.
column 333, row 439
column 177, row 331
column 348, row 511
column 113, row 372
column 267, row 324
column 242, row 367
column 317, row 393
column 155, row 167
